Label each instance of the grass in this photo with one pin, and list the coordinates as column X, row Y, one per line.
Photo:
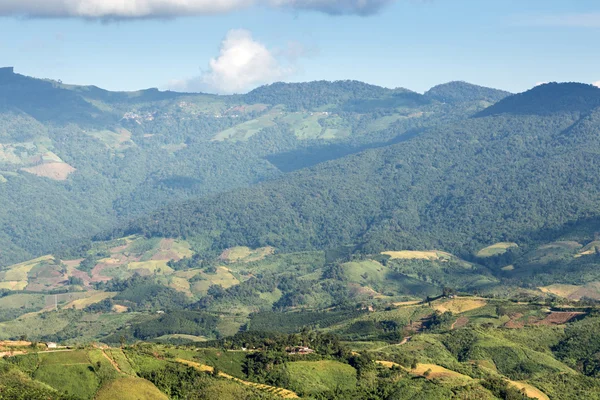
column 159, row 266
column 129, row 388
column 64, row 358
column 180, row 284
column 313, row 377
column 531, row 391
column 34, row 325
column 94, row 298
column 496, row 249
column 122, row 361
column 23, row 300
column 16, row 277
column 245, row 254
column 433, row 371
column 143, row 363
column 222, row 277
column 78, row 380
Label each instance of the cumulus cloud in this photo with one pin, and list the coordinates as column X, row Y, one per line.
column 130, row 9
column 597, row 84
column 242, row 64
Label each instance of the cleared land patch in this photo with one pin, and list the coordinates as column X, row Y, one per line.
column 574, row 292
column 530, row 391
column 56, row 171
column 246, row 254
column 496, row 249
column 458, row 305
column 312, row 377
column 97, row 297
column 130, row 388
column 417, row 255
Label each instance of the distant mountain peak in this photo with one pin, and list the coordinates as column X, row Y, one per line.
column 460, row 91
column 547, row 99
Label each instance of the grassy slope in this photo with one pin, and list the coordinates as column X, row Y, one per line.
column 129, row 388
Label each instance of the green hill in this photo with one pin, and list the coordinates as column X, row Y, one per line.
column 450, row 188
column 81, row 159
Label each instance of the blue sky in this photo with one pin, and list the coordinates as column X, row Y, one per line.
column 407, row 43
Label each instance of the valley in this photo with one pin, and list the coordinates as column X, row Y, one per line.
column 322, row 240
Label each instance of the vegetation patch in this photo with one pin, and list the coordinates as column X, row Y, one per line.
column 458, row 305
column 246, row 254
column 130, row 388
column 314, row 377
column 496, row 249
column 94, row 297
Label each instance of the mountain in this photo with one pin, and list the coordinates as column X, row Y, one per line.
column 456, row 187
column 78, row 160
column 549, row 99
column 343, row 94
column 458, row 92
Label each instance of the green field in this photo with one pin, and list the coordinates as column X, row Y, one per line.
column 129, row 388
column 313, row 377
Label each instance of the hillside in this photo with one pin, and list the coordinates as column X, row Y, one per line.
column 459, row 92
column 460, row 187
column 77, row 160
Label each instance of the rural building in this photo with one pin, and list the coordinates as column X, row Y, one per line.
column 299, row 350
column 51, row 345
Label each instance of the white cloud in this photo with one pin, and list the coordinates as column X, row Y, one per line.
column 597, row 84
column 129, row 9
column 242, row 64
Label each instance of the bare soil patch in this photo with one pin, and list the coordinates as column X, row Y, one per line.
column 55, row 171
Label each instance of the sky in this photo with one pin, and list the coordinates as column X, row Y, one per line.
column 232, row 46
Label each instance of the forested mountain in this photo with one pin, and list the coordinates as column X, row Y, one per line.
column 498, row 176
column 458, row 92
column 76, row 160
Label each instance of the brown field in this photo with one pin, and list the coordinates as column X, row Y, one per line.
column 559, row 318
column 56, row 171
column 407, row 303
column 417, row 255
column 13, row 343
column 458, row 305
column 460, row 322
column 573, row 292
column 530, row 391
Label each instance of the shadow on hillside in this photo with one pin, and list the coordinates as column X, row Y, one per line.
column 303, row 158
